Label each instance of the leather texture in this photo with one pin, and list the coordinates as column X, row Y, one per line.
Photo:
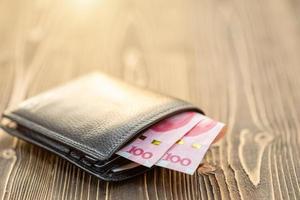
column 87, row 120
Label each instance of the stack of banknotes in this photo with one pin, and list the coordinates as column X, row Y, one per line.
column 178, row 143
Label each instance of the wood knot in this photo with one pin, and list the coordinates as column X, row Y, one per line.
column 251, row 150
column 8, row 153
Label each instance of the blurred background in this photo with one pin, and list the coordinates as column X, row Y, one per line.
column 236, row 59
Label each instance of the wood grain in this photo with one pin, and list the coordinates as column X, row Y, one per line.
column 238, row 60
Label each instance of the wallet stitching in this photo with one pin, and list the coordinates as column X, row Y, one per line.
column 83, row 147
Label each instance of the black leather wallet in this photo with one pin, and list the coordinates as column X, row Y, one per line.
column 87, row 120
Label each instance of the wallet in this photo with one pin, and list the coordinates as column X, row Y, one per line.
column 86, row 121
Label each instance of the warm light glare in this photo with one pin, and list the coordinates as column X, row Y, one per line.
column 85, row 3
column 84, row 6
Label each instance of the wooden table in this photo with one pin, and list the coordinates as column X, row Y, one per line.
column 238, row 60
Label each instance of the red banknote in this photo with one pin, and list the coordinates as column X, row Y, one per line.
column 186, row 155
column 150, row 146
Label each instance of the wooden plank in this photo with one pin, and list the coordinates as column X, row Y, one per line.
column 238, row 60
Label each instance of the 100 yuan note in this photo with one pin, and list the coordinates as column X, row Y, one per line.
column 150, row 146
column 186, row 155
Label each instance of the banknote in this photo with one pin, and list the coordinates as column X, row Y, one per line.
column 186, row 155
column 150, row 146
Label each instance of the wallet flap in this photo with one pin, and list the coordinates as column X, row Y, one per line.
column 95, row 114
